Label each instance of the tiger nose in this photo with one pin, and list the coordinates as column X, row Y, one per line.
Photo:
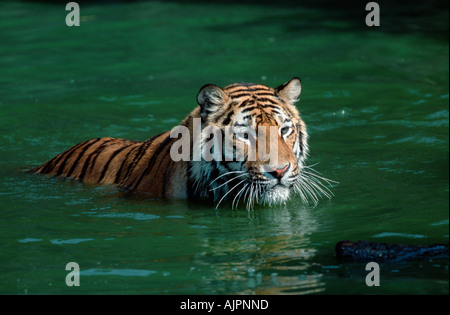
column 279, row 172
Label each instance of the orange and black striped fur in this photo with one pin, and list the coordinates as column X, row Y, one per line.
column 148, row 167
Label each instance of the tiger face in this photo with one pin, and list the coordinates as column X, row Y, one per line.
column 269, row 135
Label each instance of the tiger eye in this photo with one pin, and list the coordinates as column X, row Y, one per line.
column 284, row 130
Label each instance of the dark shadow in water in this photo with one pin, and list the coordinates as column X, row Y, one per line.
column 425, row 18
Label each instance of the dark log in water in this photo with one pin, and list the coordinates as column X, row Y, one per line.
column 380, row 252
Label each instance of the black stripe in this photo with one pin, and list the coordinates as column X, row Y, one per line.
column 141, row 152
column 46, row 166
column 227, row 120
column 300, row 139
column 88, row 163
column 264, row 94
column 85, row 167
column 240, row 95
column 239, row 91
column 248, row 109
column 257, row 91
column 275, row 107
column 260, row 87
column 164, row 185
column 98, row 151
column 231, row 86
column 246, row 103
column 63, row 163
column 105, row 168
column 53, row 162
column 276, row 111
column 136, row 158
column 252, row 87
column 125, row 159
column 75, row 164
column 265, row 99
column 152, row 161
column 166, row 168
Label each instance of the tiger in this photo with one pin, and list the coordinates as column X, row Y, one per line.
column 147, row 167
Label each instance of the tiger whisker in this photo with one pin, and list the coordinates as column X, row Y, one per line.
column 329, row 181
column 308, row 195
column 230, row 191
column 250, row 198
column 311, row 187
column 254, row 196
column 228, row 181
column 311, row 166
column 305, row 188
column 320, row 186
column 239, row 194
column 300, row 191
column 316, row 188
column 247, row 191
column 228, row 173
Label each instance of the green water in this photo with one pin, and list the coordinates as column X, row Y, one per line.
column 376, row 102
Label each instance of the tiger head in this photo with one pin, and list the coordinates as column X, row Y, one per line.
column 261, row 118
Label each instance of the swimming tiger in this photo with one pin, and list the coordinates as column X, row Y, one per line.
column 147, row 166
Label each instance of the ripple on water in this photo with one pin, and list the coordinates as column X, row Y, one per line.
column 70, row 241
column 438, row 114
column 144, row 103
column 135, row 216
column 30, row 240
column 118, row 272
column 443, row 222
column 418, row 140
column 107, row 98
column 414, row 124
column 390, row 234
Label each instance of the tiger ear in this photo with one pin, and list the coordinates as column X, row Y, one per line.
column 210, row 98
column 290, row 91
